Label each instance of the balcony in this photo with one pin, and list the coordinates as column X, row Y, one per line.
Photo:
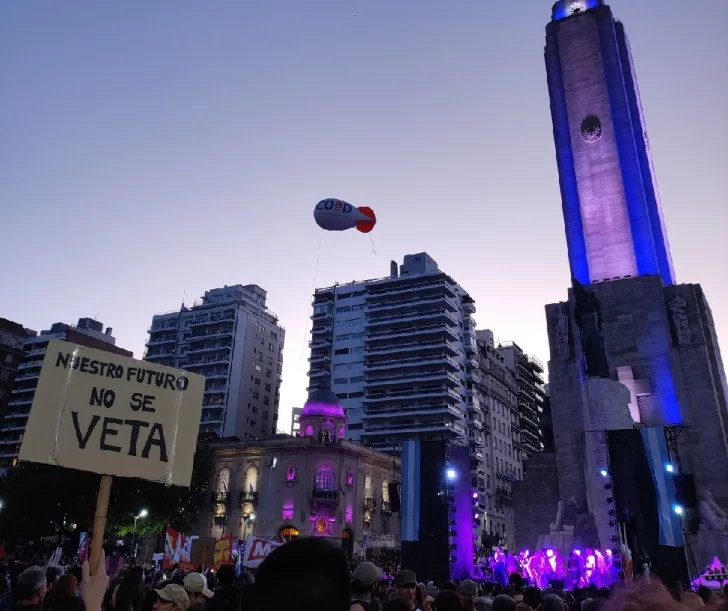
column 408, row 287
column 397, row 379
column 370, row 503
column 394, row 412
column 30, row 365
column 249, row 497
column 442, row 359
column 213, row 360
column 431, row 346
column 22, row 401
column 211, row 333
column 322, row 316
column 199, row 349
column 416, row 333
column 319, row 343
column 220, row 498
column 318, row 373
column 385, row 319
column 319, row 359
column 318, row 331
column 158, row 341
column 412, row 395
column 477, row 424
column 330, row 496
column 404, row 431
column 411, row 304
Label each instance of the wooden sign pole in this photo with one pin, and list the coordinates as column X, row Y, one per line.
column 102, row 508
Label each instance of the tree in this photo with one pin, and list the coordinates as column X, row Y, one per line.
column 38, row 499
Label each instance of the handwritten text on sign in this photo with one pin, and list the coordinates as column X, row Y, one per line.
column 101, row 412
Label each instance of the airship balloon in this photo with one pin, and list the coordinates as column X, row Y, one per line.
column 337, row 215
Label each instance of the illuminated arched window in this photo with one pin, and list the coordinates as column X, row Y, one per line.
column 251, row 480
column 325, row 479
column 223, row 482
column 368, row 485
column 309, row 431
column 385, row 491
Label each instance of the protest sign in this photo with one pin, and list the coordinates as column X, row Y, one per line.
column 256, row 550
column 110, row 414
column 223, row 551
column 382, row 541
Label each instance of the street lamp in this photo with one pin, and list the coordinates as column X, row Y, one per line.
column 142, row 514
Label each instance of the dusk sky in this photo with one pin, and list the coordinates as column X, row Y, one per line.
column 152, row 150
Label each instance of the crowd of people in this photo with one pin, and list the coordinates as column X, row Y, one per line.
column 310, row 574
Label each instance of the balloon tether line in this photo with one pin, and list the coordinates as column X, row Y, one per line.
column 313, row 288
column 374, row 250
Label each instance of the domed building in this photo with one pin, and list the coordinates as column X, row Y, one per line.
column 323, row 417
column 316, row 483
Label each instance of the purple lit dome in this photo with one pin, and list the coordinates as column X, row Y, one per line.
column 323, row 402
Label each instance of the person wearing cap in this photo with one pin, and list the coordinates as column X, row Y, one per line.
column 406, row 584
column 363, row 586
column 172, row 598
column 196, row 587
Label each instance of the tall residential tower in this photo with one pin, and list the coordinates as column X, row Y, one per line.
column 233, row 340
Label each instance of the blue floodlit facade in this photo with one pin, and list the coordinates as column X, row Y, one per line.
column 611, row 203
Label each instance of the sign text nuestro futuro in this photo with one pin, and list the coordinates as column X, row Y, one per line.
column 98, row 411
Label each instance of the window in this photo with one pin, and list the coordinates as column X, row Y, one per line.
column 9, row 358
column 355, row 395
column 255, row 410
column 267, row 387
column 265, row 415
column 356, row 427
column 271, row 347
column 356, row 379
column 256, row 394
column 252, row 423
column 342, row 351
column 268, row 372
column 223, row 482
column 266, row 401
column 257, row 381
column 258, row 368
column 325, row 479
column 341, row 366
column 4, row 374
column 487, row 480
column 341, row 380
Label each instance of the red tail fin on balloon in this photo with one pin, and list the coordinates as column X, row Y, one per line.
column 366, row 226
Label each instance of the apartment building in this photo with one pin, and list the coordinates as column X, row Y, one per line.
column 394, row 351
column 531, row 394
column 87, row 332
column 236, row 342
column 12, row 338
column 495, row 449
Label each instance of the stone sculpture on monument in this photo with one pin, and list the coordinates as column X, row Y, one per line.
column 588, row 318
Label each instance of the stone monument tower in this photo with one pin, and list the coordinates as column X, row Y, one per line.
column 629, row 347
